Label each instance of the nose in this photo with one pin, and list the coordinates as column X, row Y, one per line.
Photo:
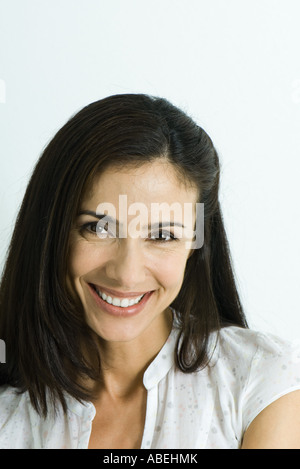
column 127, row 266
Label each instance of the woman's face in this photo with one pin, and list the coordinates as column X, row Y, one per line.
column 112, row 264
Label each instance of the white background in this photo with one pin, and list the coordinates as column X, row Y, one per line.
column 233, row 65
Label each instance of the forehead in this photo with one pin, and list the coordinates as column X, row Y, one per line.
column 156, row 181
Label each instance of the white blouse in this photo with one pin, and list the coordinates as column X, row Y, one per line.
column 211, row 408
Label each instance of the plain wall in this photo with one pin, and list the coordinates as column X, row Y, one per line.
column 233, row 65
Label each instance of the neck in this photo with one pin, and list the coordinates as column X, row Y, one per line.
column 123, row 364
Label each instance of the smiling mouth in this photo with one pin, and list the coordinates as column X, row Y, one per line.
column 121, row 302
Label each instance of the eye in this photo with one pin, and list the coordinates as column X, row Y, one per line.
column 95, row 228
column 162, row 236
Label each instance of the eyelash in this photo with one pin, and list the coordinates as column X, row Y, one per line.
column 87, row 227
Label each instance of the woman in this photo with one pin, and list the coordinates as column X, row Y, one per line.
column 122, row 333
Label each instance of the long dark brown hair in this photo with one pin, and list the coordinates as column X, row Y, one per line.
column 41, row 322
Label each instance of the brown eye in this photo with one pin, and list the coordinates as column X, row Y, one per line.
column 163, row 236
column 96, row 228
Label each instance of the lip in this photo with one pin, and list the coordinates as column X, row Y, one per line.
column 118, row 294
column 117, row 310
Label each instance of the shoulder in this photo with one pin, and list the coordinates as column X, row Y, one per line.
column 9, row 400
column 15, row 418
column 277, row 426
column 257, row 368
column 263, row 358
column 252, row 348
column 12, row 403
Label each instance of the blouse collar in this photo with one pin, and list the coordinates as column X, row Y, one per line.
column 162, row 363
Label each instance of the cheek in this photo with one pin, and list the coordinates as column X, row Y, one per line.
column 82, row 259
column 170, row 270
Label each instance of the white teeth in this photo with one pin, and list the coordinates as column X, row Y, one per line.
column 116, row 302
column 123, row 303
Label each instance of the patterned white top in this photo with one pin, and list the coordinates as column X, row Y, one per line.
column 209, row 409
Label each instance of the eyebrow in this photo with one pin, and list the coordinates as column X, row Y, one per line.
column 99, row 216
column 112, row 220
